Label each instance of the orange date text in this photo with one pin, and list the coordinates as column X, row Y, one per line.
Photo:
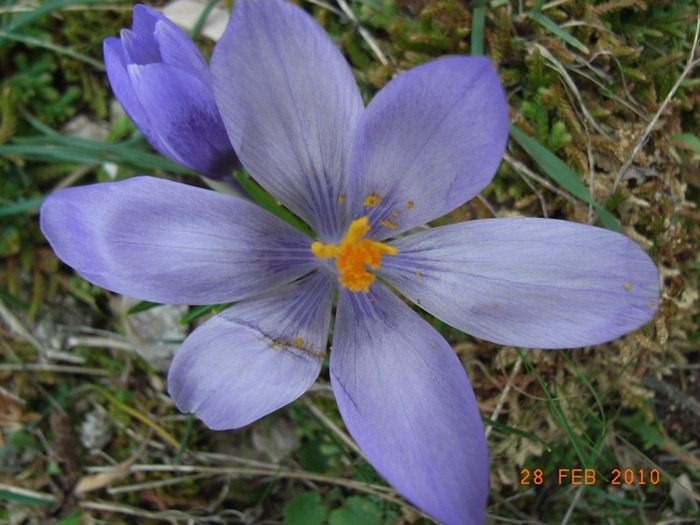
column 589, row 476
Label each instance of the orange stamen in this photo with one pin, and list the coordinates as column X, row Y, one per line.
column 354, row 255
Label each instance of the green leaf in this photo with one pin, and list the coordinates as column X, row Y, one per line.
column 20, row 496
column 305, row 509
column 40, row 12
column 650, row 436
column 21, row 207
column 689, row 139
column 198, row 311
column 202, row 19
column 357, row 511
column 623, row 502
column 141, row 306
column 562, row 175
column 5, row 296
column 72, row 519
column 268, row 202
column 516, row 432
column 21, row 439
column 478, row 22
column 311, row 458
column 53, row 47
column 548, row 24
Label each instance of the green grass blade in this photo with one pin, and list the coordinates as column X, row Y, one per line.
column 689, row 139
column 5, row 296
column 516, row 432
column 268, row 202
column 558, row 171
column 623, row 502
column 72, row 519
column 21, row 207
column 53, row 47
column 588, row 384
column 548, row 24
column 17, row 495
column 538, row 7
column 60, row 148
column 478, row 23
column 41, row 12
column 556, row 411
column 141, row 306
column 202, row 19
column 198, row 311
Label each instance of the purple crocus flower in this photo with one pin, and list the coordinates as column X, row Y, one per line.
column 427, row 143
column 163, row 83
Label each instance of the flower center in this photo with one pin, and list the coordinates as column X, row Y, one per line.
column 354, row 255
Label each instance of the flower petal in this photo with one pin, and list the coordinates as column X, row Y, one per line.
column 119, row 79
column 255, row 357
column 183, row 113
column 163, row 83
column 174, row 46
column 170, row 243
column 140, row 48
column 290, row 105
column 528, row 282
column 406, row 400
column 145, row 19
column 428, row 142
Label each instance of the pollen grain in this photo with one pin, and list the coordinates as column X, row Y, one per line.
column 372, row 200
column 354, row 254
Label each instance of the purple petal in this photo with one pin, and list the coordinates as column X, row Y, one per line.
column 255, row 357
column 140, row 48
column 174, row 46
column 145, row 19
column 170, row 243
column 528, row 282
column 162, row 81
column 182, row 111
column 290, row 105
column 428, row 142
column 179, row 51
column 406, row 400
column 115, row 63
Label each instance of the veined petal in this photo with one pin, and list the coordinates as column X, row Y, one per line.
column 140, row 48
column 183, row 113
column 406, row 400
column 428, row 142
column 119, row 79
column 145, row 19
column 290, row 105
column 255, row 357
column 170, row 243
column 175, row 47
column 528, row 282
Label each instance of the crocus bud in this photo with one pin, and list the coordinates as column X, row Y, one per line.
column 163, row 83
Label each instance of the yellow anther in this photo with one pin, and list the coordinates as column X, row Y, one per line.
column 389, row 224
column 341, row 199
column 628, row 286
column 409, row 205
column 372, row 200
column 354, row 255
